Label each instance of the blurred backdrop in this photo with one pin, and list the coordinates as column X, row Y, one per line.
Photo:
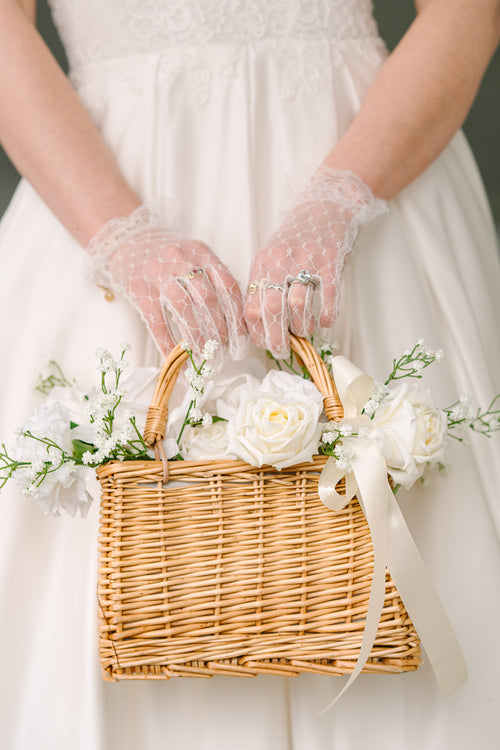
column 482, row 127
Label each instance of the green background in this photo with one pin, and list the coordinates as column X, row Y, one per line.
column 394, row 16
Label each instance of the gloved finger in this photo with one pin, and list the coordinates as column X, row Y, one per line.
column 300, row 306
column 253, row 318
column 207, row 306
column 149, row 307
column 275, row 319
column 229, row 294
column 188, row 315
column 328, row 305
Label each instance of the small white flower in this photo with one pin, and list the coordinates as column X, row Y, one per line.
column 379, row 392
column 195, row 414
column 492, row 420
column 207, row 371
column 210, row 348
column 206, row 420
column 328, row 437
column 55, row 455
column 326, row 347
column 87, row 458
column 370, row 407
column 31, row 473
column 198, row 383
column 345, row 429
column 439, row 355
column 343, row 457
column 30, row 491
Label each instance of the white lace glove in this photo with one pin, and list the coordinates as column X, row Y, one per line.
column 179, row 286
column 295, row 278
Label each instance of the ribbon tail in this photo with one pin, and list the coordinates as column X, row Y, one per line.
column 423, row 605
column 328, row 480
column 370, row 472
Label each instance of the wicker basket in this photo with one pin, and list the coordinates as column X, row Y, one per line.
column 236, row 570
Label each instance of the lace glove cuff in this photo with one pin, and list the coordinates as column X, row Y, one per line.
column 107, row 240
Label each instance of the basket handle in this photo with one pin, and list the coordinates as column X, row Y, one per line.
column 156, row 421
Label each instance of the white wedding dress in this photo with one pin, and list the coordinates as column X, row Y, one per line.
column 213, row 105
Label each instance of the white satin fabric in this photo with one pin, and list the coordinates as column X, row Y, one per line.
column 219, row 131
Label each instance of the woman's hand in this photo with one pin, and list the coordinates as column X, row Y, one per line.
column 179, row 286
column 295, row 278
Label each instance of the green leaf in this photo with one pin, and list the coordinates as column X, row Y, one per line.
column 72, row 425
column 79, row 448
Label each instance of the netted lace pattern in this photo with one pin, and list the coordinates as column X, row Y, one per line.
column 295, row 278
column 178, row 285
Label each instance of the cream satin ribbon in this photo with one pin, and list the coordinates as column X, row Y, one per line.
column 393, row 546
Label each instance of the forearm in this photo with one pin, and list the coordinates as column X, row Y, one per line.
column 421, row 95
column 49, row 135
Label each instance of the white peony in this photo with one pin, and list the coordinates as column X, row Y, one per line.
column 278, row 423
column 70, row 489
column 411, row 432
column 51, row 421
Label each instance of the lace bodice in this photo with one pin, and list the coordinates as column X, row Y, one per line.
column 98, row 30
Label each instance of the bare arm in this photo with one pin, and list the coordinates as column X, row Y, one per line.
column 421, row 95
column 49, row 135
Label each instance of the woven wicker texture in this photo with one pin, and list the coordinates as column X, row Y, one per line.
column 232, row 569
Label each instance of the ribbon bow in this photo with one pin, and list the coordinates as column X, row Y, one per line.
column 393, row 545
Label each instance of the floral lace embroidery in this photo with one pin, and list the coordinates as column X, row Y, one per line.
column 207, row 38
column 97, row 30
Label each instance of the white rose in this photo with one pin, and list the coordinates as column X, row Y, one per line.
column 277, row 424
column 198, row 443
column 221, row 393
column 412, row 432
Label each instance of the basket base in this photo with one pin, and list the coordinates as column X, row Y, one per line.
column 337, row 667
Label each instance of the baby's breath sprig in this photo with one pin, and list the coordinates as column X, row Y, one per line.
column 110, row 444
column 462, row 417
column 105, row 406
column 413, row 361
column 55, row 378
column 331, row 443
column 35, row 471
column 197, row 376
